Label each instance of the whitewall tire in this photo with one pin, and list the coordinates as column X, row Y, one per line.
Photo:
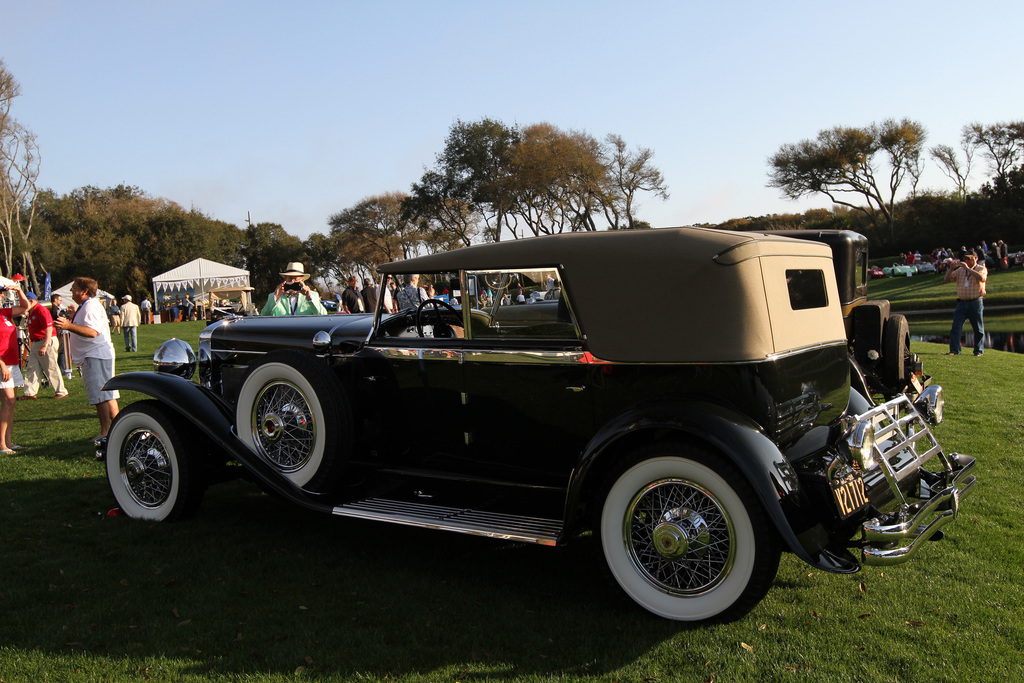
column 684, row 536
column 295, row 415
column 150, row 469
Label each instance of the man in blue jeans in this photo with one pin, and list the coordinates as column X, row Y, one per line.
column 970, row 277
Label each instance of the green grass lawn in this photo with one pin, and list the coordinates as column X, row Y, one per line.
column 254, row 589
column 929, row 292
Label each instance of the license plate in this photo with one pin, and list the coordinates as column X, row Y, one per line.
column 850, row 495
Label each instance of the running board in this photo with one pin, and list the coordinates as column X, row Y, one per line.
column 459, row 520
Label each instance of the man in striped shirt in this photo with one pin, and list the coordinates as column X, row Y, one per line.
column 970, row 277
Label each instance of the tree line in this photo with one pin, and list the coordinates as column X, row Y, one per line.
column 493, row 182
column 862, row 171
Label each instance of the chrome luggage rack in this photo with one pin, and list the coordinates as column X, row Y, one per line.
column 903, row 443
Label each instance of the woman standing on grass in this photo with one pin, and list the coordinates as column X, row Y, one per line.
column 10, row 369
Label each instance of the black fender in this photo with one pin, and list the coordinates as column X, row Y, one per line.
column 732, row 434
column 214, row 417
column 858, row 386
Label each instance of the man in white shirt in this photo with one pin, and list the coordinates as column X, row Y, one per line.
column 92, row 349
column 146, row 308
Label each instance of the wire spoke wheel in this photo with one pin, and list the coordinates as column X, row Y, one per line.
column 145, row 468
column 679, row 537
column 293, row 412
column 684, row 536
column 153, row 463
column 283, row 425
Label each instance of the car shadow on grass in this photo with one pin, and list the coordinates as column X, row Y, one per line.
column 253, row 584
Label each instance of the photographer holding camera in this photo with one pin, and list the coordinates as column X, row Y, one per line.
column 293, row 296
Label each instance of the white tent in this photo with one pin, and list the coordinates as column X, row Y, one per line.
column 200, row 275
column 65, row 292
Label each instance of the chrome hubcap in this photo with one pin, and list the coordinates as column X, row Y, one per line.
column 681, row 531
column 273, row 427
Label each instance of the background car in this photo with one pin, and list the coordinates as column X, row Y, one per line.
column 899, row 270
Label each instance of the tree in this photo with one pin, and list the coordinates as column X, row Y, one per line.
column 491, row 179
column 19, row 170
column 447, row 218
column 631, row 173
column 1001, row 143
column 956, row 170
column 1004, row 199
column 331, row 263
column 99, row 233
column 843, row 161
column 558, row 180
column 376, row 230
column 123, row 237
column 473, row 170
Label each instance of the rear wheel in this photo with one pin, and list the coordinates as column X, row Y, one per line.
column 150, row 465
column 685, row 537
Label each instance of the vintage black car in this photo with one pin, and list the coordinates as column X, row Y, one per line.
column 690, row 396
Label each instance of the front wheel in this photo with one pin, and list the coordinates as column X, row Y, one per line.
column 685, row 537
column 150, row 469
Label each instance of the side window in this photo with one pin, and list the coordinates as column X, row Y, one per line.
column 405, row 294
column 518, row 305
column 806, row 289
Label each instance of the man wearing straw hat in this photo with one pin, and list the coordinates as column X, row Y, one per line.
column 293, row 296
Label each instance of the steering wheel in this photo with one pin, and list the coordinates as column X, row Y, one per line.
column 441, row 328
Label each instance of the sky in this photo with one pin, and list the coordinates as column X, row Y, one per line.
column 289, row 112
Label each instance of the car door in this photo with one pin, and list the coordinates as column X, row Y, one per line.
column 527, row 379
column 418, row 394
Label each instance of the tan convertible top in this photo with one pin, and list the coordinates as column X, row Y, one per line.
column 670, row 294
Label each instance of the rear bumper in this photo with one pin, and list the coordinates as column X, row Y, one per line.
column 896, row 537
column 920, row 501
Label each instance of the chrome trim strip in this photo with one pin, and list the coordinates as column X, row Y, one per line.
column 427, row 353
column 809, row 347
column 513, row 355
column 770, row 358
column 525, row 357
column 230, row 352
column 221, row 354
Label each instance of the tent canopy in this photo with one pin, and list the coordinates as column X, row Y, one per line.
column 65, row 292
column 201, row 275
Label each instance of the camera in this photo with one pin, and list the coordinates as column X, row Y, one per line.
column 293, row 287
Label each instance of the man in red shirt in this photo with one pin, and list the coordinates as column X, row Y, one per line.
column 42, row 356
